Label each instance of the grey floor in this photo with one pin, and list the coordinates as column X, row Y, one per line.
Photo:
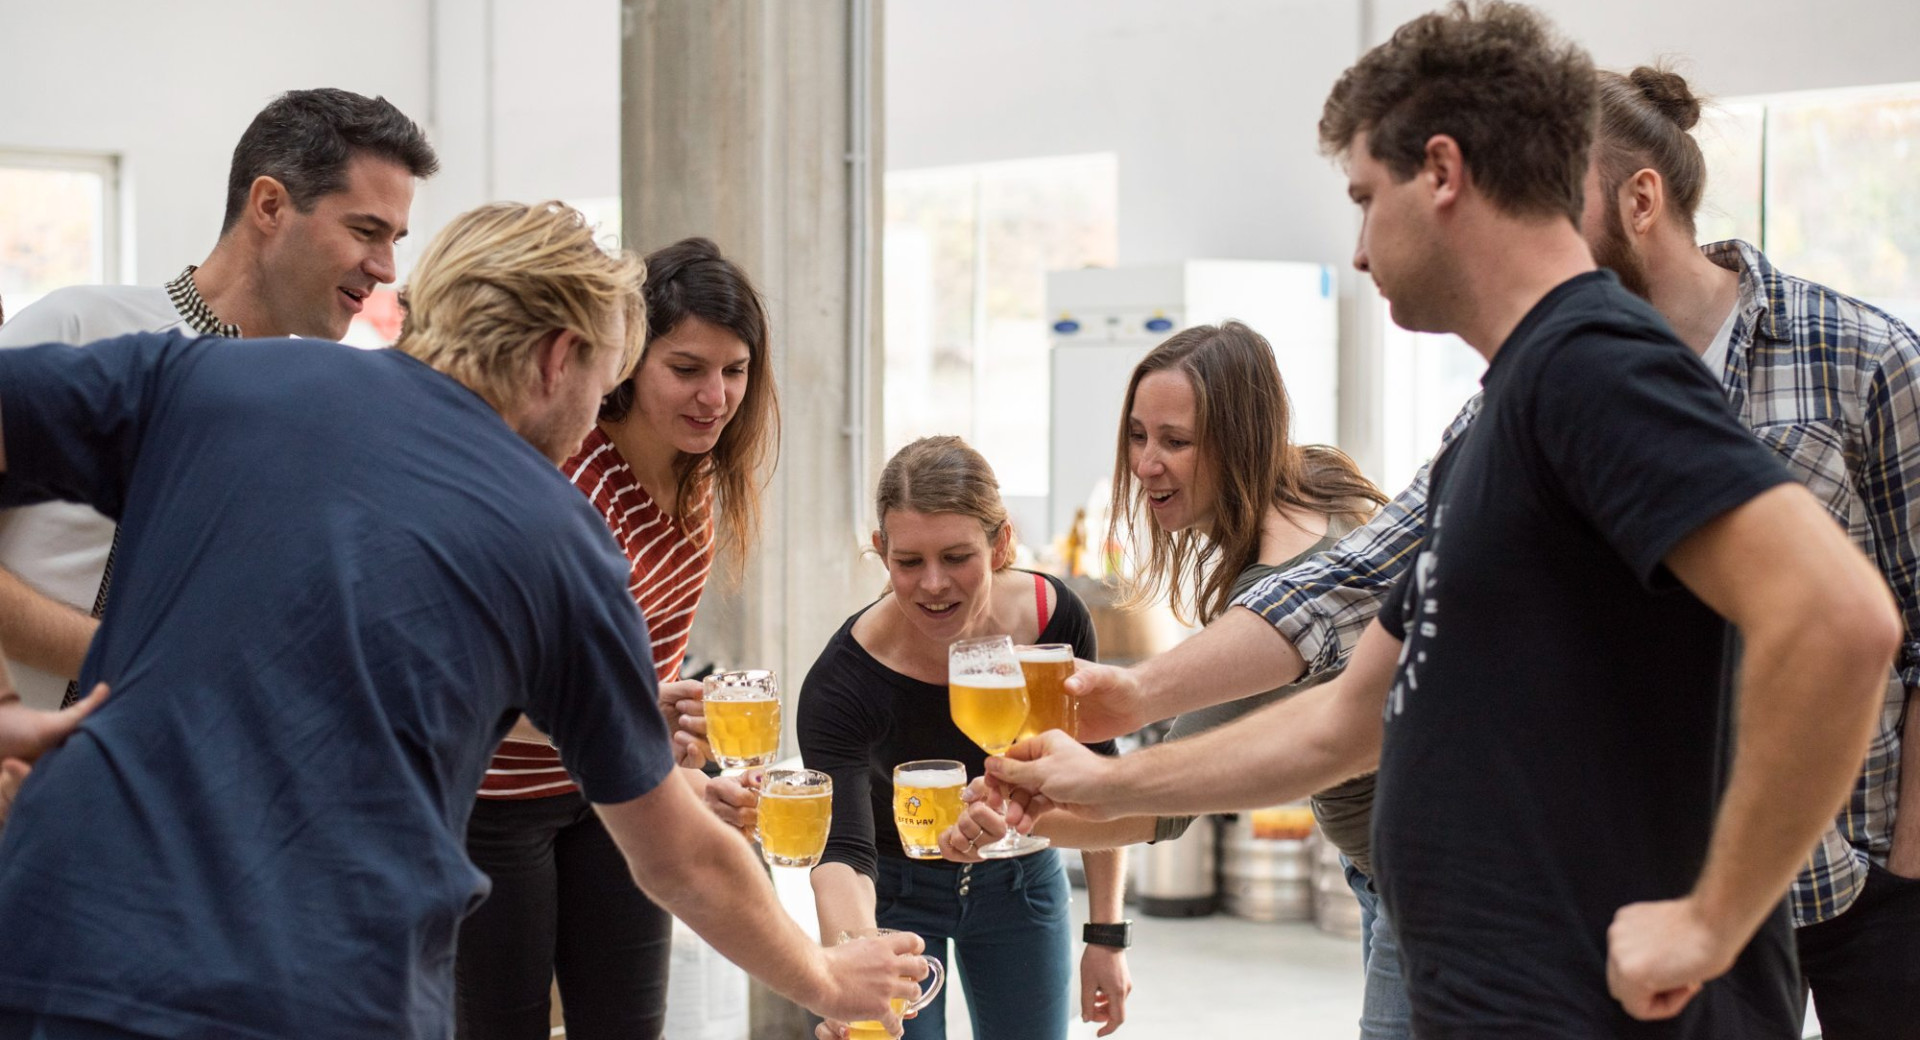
column 1207, row 976
column 1219, row 976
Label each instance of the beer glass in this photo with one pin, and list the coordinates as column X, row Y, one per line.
column 926, row 801
column 936, row 974
column 987, row 696
column 743, row 718
column 796, row 810
column 1046, row 668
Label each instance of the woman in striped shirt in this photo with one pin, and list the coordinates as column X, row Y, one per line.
column 675, row 465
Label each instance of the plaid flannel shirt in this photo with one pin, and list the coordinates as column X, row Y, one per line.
column 1830, row 384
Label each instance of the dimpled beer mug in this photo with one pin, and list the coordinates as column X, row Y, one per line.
column 988, row 698
column 1046, row 668
column 874, row 1030
column 796, row 809
column 743, row 718
column 926, row 801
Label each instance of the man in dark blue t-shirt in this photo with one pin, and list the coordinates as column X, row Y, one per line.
column 1567, row 837
column 344, row 575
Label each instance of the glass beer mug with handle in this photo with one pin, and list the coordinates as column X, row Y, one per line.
column 987, row 695
column 926, row 801
column 796, row 812
column 743, row 718
column 936, row 974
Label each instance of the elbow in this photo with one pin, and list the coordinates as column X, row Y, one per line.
column 1858, row 632
column 1873, row 628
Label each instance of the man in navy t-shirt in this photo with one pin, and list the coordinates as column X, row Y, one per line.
column 1570, row 835
column 344, row 574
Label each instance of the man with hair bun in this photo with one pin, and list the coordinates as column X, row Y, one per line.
column 348, row 572
column 1572, row 837
column 1832, row 385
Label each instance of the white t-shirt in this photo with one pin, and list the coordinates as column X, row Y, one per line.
column 61, row 548
column 1715, row 357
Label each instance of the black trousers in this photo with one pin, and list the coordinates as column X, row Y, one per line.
column 563, row 907
column 1864, row 965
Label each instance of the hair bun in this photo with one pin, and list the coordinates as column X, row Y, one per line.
column 1667, row 91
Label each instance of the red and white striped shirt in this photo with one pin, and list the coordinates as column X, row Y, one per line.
column 670, row 569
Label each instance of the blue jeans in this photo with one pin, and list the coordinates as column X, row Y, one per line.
column 1010, row 924
column 1384, row 1014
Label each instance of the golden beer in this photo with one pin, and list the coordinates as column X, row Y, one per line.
column 874, row 1030
column 743, row 718
column 926, row 801
column 989, row 708
column 796, row 811
column 936, row 976
column 1049, row 706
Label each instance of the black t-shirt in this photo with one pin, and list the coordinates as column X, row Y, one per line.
column 859, row 719
column 1557, row 732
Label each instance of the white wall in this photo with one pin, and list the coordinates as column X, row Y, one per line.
column 1734, row 47
column 171, row 86
column 1209, row 104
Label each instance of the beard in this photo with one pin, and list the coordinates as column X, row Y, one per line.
column 1616, row 254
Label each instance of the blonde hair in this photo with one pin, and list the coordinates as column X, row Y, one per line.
column 499, row 279
column 943, row 475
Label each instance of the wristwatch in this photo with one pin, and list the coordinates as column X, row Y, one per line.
column 1119, row 936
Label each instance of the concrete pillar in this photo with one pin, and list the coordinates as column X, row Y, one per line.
column 737, row 124
column 756, row 124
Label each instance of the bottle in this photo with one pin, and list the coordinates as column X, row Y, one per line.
column 1077, row 544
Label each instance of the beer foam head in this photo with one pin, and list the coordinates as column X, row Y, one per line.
column 930, row 778
column 988, row 680
column 740, row 693
column 1046, row 654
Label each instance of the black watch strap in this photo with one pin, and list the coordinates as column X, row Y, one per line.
column 1117, row 935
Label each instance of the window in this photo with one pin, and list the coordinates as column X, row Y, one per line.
column 1824, row 184
column 59, row 223
column 1428, row 378
column 967, row 252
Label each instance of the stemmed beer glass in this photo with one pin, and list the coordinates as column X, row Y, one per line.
column 987, row 694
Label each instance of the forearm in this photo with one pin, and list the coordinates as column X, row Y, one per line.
column 1106, row 884
column 41, row 631
column 1236, row 656
column 1284, row 751
column 1071, row 831
column 1806, row 708
column 845, row 900
column 702, row 873
column 1904, row 859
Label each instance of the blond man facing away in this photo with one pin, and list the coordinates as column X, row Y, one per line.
column 347, row 572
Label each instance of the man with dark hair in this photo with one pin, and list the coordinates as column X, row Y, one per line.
column 1556, row 823
column 318, row 193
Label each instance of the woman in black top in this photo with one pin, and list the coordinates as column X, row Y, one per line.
column 877, row 697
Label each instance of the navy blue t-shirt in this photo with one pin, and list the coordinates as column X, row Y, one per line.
column 1557, row 730
column 340, row 577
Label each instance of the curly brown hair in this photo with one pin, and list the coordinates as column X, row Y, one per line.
column 1517, row 99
